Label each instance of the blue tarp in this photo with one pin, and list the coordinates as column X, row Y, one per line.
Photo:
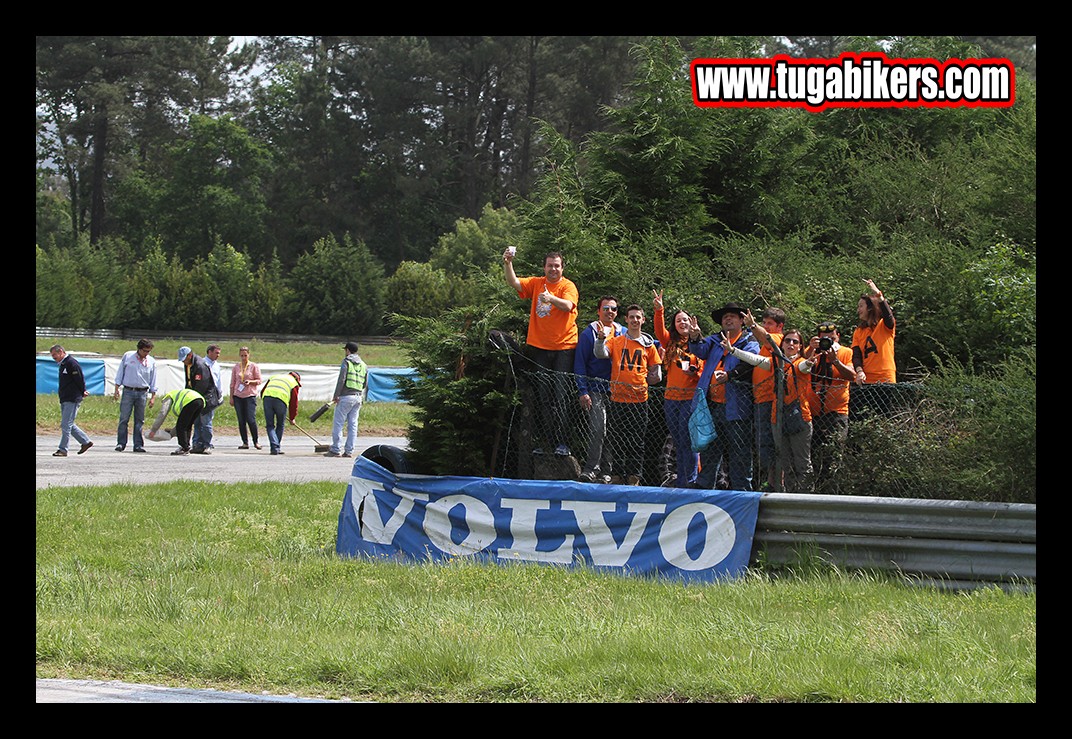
column 48, row 376
column 700, row 535
column 381, row 383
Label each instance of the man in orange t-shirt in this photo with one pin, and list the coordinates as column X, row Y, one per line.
column 551, row 342
column 634, row 365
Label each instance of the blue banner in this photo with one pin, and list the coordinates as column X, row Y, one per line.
column 48, row 375
column 700, row 535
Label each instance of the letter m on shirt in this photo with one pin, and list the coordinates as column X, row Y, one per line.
column 631, row 360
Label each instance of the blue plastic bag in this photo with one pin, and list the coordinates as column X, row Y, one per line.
column 701, row 424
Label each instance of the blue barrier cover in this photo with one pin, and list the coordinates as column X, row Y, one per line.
column 48, row 376
column 382, row 383
column 700, row 535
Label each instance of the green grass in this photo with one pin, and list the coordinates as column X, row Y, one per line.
column 99, row 415
column 236, row 586
column 299, row 352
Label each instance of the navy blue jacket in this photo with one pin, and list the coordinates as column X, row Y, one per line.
column 72, row 381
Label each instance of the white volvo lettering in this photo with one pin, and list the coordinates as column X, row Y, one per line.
column 601, row 544
column 478, row 519
column 523, row 531
column 718, row 540
column 372, row 526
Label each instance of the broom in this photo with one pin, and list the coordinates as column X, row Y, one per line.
column 319, row 448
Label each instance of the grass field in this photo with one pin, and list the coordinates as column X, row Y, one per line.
column 236, row 587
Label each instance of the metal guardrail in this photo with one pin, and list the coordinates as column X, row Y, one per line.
column 951, row 544
column 206, row 336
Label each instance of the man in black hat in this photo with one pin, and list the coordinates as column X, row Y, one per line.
column 728, row 381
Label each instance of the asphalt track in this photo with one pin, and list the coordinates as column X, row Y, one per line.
column 102, row 465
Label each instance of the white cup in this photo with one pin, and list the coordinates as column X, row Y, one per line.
column 511, row 250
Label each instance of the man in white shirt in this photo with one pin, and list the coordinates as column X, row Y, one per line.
column 136, row 377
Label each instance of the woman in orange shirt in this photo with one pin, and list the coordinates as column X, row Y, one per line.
column 794, row 471
column 682, row 375
column 872, row 341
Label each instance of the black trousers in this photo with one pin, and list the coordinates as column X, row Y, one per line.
column 190, row 413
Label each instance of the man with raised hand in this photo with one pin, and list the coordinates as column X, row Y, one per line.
column 592, row 374
column 551, row 342
column 635, row 364
column 729, row 396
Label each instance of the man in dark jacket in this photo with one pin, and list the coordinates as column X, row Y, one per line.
column 72, row 390
column 199, row 378
column 728, row 381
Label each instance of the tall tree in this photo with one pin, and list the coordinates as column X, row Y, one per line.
column 106, row 104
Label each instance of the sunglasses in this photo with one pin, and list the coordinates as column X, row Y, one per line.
column 609, row 308
column 790, row 341
column 827, row 327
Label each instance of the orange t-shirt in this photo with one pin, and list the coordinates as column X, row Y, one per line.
column 763, row 379
column 876, row 346
column 629, row 363
column 680, row 385
column 828, row 391
column 549, row 327
column 796, row 386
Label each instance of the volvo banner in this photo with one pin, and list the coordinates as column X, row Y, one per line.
column 687, row 534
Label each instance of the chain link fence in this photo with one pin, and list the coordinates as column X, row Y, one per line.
column 897, row 440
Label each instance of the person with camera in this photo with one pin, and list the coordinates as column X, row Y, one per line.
column 828, row 397
column 682, row 376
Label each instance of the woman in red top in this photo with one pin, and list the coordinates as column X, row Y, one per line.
column 682, row 375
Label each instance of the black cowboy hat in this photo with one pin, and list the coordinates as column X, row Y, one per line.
column 728, row 308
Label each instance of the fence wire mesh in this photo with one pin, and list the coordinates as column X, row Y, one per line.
column 883, row 446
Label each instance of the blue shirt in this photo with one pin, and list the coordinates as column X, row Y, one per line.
column 589, row 368
column 133, row 373
column 214, row 368
column 738, row 394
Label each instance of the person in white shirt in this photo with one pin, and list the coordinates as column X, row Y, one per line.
column 136, row 378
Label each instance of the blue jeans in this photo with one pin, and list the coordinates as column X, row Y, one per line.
column 246, row 411
column 68, row 412
column 203, row 430
column 347, row 411
column 677, row 414
column 131, row 401
column 735, row 441
column 275, row 419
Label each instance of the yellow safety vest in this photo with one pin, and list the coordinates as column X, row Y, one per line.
column 180, row 398
column 280, row 386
